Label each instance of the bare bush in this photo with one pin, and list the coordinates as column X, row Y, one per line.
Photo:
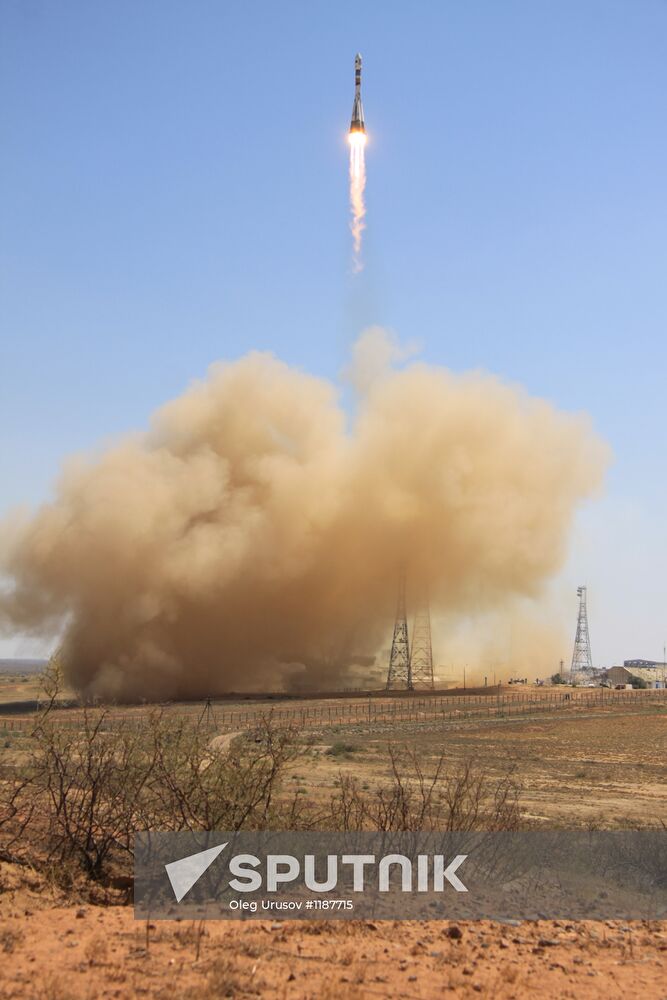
column 464, row 799
column 195, row 785
column 83, row 786
column 87, row 788
column 91, row 783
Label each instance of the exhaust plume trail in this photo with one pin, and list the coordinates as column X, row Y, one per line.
column 249, row 540
column 357, row 187
column 357, row 140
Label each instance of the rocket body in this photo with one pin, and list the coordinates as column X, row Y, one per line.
column 357, row 124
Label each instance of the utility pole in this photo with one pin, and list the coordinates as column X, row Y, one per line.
column 582, row 661
column 421, row 652
column 399, row 673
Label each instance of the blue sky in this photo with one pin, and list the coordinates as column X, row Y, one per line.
column 173, row 190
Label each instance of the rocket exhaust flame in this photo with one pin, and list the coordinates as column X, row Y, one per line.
column 357, row 139
column 357, row 186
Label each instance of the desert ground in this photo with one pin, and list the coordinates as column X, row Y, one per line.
column 603, row 769
column 584, row 763
column 55, row 952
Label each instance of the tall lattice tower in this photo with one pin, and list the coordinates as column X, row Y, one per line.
column 399, row 675
column 582, row 661
column 421, row 653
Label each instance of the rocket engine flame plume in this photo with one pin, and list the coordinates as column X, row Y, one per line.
column 357, row 142
column 250, row 539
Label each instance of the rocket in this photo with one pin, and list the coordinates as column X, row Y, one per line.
column 357, row 123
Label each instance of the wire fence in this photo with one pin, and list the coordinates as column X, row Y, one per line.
column 397, row 710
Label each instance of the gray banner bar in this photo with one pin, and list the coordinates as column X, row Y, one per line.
column 533, row 875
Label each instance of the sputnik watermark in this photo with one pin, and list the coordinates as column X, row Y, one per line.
column 398, row 875
column 251, row 874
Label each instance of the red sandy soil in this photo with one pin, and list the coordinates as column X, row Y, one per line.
column 90, row 952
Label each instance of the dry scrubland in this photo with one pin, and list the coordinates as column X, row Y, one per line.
column 72, row 794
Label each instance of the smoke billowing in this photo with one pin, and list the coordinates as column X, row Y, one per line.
column 251, row 538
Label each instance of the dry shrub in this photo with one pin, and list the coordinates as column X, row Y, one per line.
column 96, row 950
column 10, row 937
column 223, row 980
column 95, row 779
column 346, row 956
column 88, row 789
column 195, row 786
column 464, row 798
column 83, row 786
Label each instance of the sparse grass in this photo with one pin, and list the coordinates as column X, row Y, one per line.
column 341, row 749
column 346, row 956
column 251, row 949
column 224, row 980
column 52, row 987
column 96, row 950
column 10, row 938
column 342, row 991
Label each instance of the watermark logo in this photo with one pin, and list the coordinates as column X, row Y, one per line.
column 252, row 874
column 398, row 875
column 186, row 872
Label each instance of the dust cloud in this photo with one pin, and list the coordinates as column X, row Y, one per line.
column 251, row 538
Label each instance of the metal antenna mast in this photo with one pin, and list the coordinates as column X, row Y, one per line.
column 582, row 661
column 421, row 653
column 399, row 674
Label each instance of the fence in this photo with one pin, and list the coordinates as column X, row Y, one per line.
column 371, row 711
